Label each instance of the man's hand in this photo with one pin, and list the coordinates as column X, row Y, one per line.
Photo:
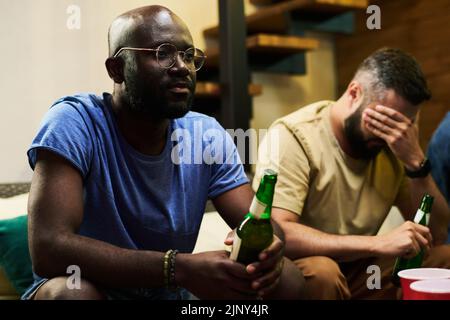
column 399, row 132
column 404, row 241
column 212, row 275
column 267, row 270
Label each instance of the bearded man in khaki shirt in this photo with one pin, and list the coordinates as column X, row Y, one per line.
column 342, row 166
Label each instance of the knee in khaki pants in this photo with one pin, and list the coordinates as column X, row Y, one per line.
column 324, row 279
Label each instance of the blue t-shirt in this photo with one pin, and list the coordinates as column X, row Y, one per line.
column 133, row 200
column 439, row 156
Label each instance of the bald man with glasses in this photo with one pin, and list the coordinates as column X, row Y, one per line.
column 108, row 197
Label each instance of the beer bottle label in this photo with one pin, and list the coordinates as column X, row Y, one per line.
column 257, row 208
column 419, row 216
column 236, row 247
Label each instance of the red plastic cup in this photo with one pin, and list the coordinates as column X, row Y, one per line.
column 407, row 277
column 435, row 289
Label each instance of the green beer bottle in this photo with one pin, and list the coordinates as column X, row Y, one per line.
column 422, row 217
column 255, row 232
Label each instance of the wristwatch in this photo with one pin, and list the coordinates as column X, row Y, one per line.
column 423, row 171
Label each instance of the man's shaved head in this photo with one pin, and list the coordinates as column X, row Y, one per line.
column 132, row 27
column 141, row 84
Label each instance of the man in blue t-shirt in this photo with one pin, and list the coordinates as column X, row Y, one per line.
column 121, row 181
column 439, row 156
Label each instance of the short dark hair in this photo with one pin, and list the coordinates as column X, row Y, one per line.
column 395, row 69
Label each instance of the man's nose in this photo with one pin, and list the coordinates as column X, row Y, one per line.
column 180, row 65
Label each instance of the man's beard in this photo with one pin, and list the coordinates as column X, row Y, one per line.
column 355, row 137
column 158, row 107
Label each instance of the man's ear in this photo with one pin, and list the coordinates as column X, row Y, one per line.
column 355, row 94
column 115, row 69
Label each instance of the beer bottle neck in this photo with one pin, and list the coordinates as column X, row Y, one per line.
column 426, row 204
column 422, row 215
column 261, row 206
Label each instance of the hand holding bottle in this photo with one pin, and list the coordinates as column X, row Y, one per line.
column 268, row 269
column 212, row 275
column 404, row 241
column 419, row 236
column 254, row 243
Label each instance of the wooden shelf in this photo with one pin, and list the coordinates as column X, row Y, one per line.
column 213, row 90
column 272, row 2
column 280, row 44
column 274, row 46
column 264, row 2
column 274, row 19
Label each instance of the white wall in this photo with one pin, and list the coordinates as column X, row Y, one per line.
column 42, row 60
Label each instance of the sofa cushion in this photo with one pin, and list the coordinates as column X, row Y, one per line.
column 14, row 254
column 6, row 288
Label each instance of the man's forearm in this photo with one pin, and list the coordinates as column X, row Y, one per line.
column 303, row 241
column 100, row 262
column 278, row 231
column 440, row 215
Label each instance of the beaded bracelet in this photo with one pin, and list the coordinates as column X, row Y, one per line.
column 169, row 269
column 166, row 268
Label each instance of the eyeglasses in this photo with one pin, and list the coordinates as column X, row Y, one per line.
column 167, row 54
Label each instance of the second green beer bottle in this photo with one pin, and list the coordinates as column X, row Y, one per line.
column 422, row 217
column 255, row 233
